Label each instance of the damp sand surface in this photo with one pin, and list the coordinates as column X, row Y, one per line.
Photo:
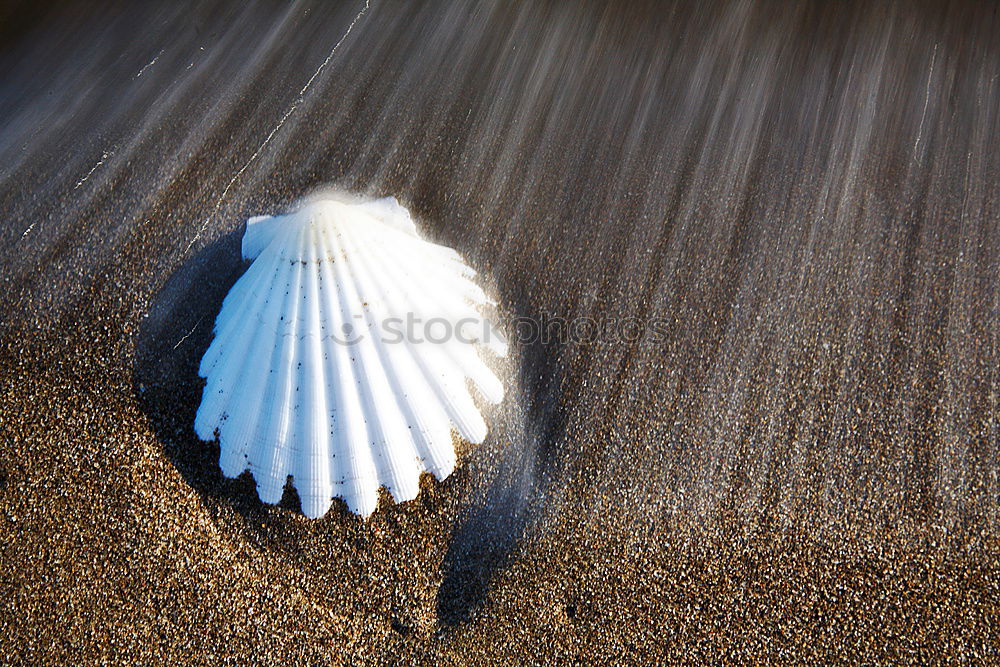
column 796, row 460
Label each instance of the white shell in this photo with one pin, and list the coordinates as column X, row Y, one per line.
column 290, row 392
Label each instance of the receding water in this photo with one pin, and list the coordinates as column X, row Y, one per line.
column 795, row 204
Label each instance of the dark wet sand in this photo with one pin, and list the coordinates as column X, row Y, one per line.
column 800, row 464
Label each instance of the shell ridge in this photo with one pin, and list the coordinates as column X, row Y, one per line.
column 449, row 386
column 389, row 434
column 269, row 462
column 246, row 400
column 448, row 266
column 456, row 307
column 234, row 306
column 227, row 323
column 220, row 384
column 363, row 493
column 422, row 291
column 214, row 401
column 460, row 310
column 310, row 467
column 296, row 327
column 462, row 355
column 334, row 402
column 397, row 366
column 433, row 433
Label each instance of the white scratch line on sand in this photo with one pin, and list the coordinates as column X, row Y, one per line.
column 83, row 180
column 289, row 112
column 927, row 97
column 188, row 334
column 149, row 64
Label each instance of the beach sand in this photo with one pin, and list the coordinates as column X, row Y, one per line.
column 796, row 461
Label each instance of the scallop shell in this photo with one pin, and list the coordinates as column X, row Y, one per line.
column 312, row 373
